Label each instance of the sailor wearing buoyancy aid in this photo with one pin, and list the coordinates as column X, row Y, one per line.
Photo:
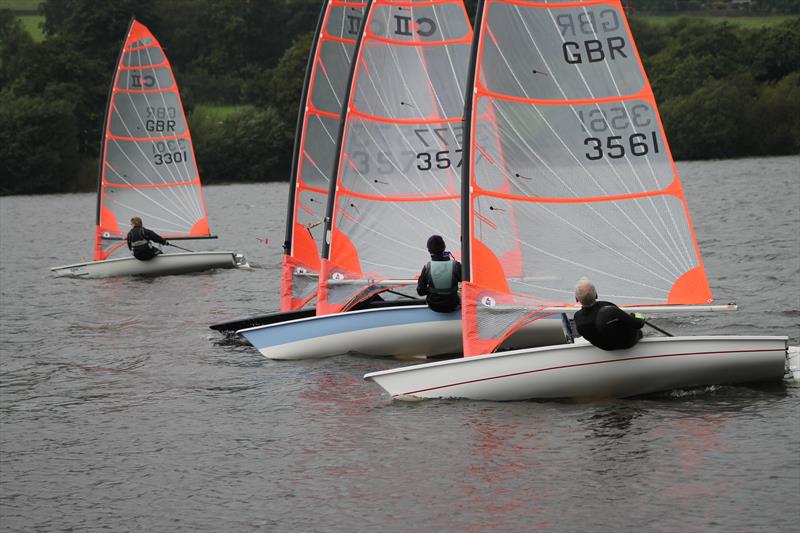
column 139, row 241
column 439, row 278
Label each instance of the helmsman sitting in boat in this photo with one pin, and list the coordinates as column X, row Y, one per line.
column 139, row 241
column 439, row 278
column 604, row 324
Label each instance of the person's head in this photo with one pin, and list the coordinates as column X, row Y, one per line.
column 136, row 222
column 436, row 245
column 585, row 293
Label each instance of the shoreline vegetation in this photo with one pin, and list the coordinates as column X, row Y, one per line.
column 727, row 84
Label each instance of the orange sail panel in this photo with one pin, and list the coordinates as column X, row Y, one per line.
column 580, row 160
column 318, row 126
column 398, row 177
column 147, row 166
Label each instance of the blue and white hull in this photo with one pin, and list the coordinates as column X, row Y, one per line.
column 408, row 331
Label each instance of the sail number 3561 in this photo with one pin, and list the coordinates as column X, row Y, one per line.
column 617, row 146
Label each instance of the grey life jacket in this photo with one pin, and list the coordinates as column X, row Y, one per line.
column 442, row 278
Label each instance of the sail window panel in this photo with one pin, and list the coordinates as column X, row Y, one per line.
column 344, row 22
column 633, row 250
column 141, row 42
column 169, row 211
column 311, row 212
column 147, row 79
column 408, row 82
column 402, row 160
column 331, row 75
column 143, row 57
column 424, row 23
column 559, row 53
column 149, row 163
column 390, row 236
column 573, row 151
column 147, row 115
column 319, row 150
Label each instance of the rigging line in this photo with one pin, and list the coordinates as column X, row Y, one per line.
column 185, row 207
column 392, row 266
column 414, row 185
column 441, row 107
column 421, row 177
column 619, row 93
column 192, row 199
column 140, row 191
column 590, row 268
column 327, row 78
column 556, row 135
column 599, row 242
column 566, row 147
column 160, row 190
column 151, row 216
column 401, row 208
column 316, row 166
column 682, row 252
column 591, row 207
column 182, row 197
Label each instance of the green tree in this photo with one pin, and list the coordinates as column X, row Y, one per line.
column 708, row 123
column 38, row 152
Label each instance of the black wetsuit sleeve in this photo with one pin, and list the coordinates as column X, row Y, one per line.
column 422, row 282
column 128, row 240
column 155, row 237
column 457, row 271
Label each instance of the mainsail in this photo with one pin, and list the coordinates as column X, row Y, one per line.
column 399, row 164
column 585, row 171
column 318, row 126
column 147, row 165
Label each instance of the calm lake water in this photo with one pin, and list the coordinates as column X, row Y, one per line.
column 122, row 411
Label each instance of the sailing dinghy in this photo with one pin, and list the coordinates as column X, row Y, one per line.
column 147, row 169
column 594, row 192
column 396, row 182
column 313, row 162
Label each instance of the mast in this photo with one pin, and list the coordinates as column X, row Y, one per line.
column 102, row 154
column 466, row 169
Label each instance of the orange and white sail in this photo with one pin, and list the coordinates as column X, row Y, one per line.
column 313, row 165
column 147, row 165
column 580, row 160
column 398, row 177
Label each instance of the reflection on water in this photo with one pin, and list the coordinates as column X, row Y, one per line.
column 121, row 410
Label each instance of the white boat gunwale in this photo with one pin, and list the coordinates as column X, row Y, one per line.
column 625, row 356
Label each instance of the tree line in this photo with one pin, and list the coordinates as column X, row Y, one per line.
column 723, row 90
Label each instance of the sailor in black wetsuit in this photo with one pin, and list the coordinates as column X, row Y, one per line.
column 139, row 239
column 602, row 323
column 439, row 278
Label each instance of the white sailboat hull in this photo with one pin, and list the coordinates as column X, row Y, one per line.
column 392, row 331
column 161, row 265
column 581, row 370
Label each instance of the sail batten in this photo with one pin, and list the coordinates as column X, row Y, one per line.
column 580, row 162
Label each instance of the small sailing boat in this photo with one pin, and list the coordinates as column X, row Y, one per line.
column 396, row 181
column 594, row 192
column 148, row 170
